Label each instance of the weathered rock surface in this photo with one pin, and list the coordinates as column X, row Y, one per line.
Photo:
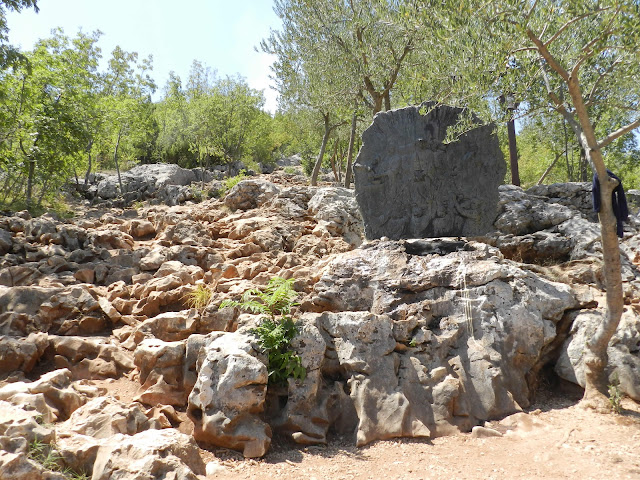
column 410, row 184
column 337, row 213
column 465, row 329
column 229, row 395
column 406, row 338
column 148, row 455
column 21, row 353
column 624, row 351
column 16, row 422
column 166, row 182
column 105, row 417
column 53, row 395
column 249, row 194
column 161, row 367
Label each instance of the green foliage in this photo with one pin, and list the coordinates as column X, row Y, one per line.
column 212, row 121
column 9, row 55
column 59, row 113
column 231, row 182
column 274, row 334
column 290, row 170
column 615, row 395
column 48, row 456
column 199, row 297
column 278, row 298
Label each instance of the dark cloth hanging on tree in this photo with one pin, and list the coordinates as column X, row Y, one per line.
column 618, row 201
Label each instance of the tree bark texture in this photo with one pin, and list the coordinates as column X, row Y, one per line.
column 352, row 138
column 323, row 147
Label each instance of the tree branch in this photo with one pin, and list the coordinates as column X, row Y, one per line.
column 550, row 59
column 618, row 133
column 560, row 107
column 571, row 22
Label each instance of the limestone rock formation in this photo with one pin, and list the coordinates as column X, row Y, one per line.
column 624, row 351
column 148, row 455
column 229, row 395
column 103, row 417
column 416, row 337
column 411, row 184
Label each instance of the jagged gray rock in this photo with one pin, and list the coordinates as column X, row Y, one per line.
column 168, row 183
column 337, row 213
column 410, row 184
column 250, row 193
column 229, row 395
column 148, row 455
column 623, row 351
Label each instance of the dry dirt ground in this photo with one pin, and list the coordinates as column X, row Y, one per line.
column 556, row 440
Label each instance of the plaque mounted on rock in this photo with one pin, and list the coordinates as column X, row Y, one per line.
column 410, row 184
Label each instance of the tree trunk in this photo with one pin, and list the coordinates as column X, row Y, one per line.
column 549, row 168
column 513, row 151
column 336, row 177
column 584, row 166
column 595, row 358
column 86, row 175
column 115, row 160
column 352, row 139
column 30, row 177
column 325, row 139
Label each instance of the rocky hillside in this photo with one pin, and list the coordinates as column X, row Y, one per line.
column 411, row 338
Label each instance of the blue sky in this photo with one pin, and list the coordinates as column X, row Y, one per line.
column 220, row 33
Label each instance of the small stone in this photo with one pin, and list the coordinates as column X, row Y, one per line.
column 484, row 432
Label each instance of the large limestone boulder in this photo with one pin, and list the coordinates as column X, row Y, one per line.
column 104, row 417
column 411, row 184
column 249, row 194
column 148, row 455
column 466, row 330
column 623, row 352
column 336, row 211
column 161, row 367
column 152, row 180
column 53, row 395
column 229, row 395
column 16, row 422
column 21, row 353
column 90, row 357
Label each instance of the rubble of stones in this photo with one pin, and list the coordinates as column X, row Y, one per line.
column 406, row 338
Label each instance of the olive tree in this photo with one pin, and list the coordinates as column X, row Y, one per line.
column 572, row 58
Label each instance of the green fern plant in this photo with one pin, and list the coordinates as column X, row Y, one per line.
column 276, row 329
column 278, row 298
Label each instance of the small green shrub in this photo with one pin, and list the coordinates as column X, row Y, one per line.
column 231, row 182
column 290, row 170
column 48, row 456
column 198, row 194
column 615, row 395
column 276, row 331
column 199, row 297
column 275, row 336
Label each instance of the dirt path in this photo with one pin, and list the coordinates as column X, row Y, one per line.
column 556, row 440
column 561, row 442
